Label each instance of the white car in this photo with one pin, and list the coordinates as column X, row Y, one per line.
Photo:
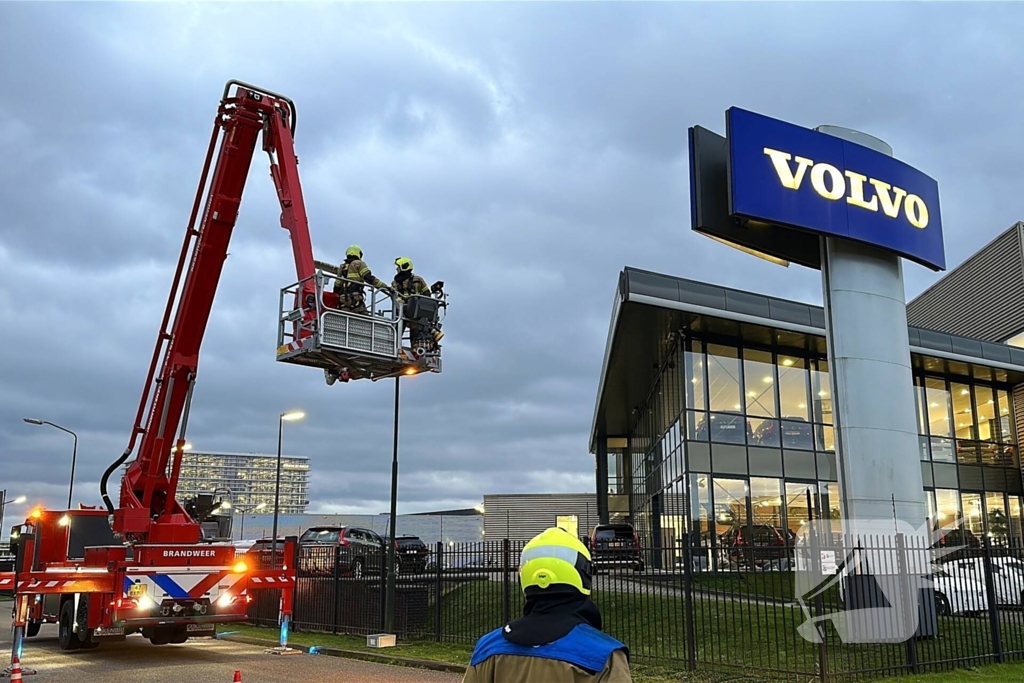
column 1007, row 577
column 958, row 593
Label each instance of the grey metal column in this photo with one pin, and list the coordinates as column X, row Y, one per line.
column 627, row 475
column 870, row 375
column 602, row 478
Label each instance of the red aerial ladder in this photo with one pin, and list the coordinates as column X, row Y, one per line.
column 143, row 566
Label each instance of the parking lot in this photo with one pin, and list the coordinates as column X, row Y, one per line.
column 204, row 660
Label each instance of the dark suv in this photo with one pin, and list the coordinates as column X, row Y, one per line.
column 616, row 545
column 411, row 554
column 796, row 432
column 727, row 427
column 358, row 551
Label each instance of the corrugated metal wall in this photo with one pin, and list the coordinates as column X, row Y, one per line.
column 520, row 517
column 980, row 298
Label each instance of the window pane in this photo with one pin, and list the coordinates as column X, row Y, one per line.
column 766, row 501
column 726, row 428
column 797, row 435
column 922, row 447
column 835, row 510
column 985, row 401
column 696, row 426
column 822, row 393
column 1016, row 534
column 765, row 433
column 973, row 523
column 796, row 505
column 996, row 518
column 963, row 415
column 919, row 403
column 938, row 406
column 724, row 378
column 759, row 378
column 701, row 510
column 825, row 438
column 942, row 450
column 730, row 500
column 947, row 507
column 695, row 377
column 793, row 387
column 1005, row 415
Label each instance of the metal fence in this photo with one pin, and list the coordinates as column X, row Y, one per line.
column 719, row 610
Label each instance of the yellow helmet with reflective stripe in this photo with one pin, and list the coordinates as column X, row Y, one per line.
column 555, row 557
column 355, row 250
column 403, row 264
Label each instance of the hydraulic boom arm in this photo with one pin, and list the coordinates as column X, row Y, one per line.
column 148, row 511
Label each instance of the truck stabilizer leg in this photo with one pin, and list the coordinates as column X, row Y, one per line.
column 18, row 637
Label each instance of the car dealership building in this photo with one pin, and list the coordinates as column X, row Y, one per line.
column 716, row 408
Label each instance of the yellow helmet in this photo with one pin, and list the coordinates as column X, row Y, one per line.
column 555, row 557
column 355, row 250
column 403, row 264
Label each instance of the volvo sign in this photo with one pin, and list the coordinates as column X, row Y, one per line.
column 775, row 187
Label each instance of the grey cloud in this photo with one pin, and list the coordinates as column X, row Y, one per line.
column 521, row 153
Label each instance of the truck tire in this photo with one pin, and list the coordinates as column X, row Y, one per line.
column 66, row 637
column 32, row 630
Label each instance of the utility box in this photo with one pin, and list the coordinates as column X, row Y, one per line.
column 380, row 640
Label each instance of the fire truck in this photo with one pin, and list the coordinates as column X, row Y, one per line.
column 143, row 566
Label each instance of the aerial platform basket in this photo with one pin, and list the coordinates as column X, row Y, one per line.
column 314, row 331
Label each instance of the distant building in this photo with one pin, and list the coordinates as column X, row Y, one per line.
column 250, row 477
column 521, row 516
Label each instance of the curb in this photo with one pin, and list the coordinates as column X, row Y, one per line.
column 445, row 667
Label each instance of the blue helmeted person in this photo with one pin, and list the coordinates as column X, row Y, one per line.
column 558, row 639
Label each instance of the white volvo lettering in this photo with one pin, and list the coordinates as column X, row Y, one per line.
column 829, row 183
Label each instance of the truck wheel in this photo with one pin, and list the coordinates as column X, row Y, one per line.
column 161, row 636
column 66, row 637
column 32, row 630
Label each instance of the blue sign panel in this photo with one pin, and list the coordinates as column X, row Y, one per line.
column 788, row 175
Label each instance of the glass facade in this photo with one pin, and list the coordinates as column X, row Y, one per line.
column 736, row 439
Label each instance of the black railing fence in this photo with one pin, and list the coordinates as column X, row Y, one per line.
column 840, row 609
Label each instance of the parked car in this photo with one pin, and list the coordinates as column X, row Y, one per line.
column 726, row 427
column 616, row 545
column 763, row 546
column 358, row 551
column 258, row 553
column 957, row 593
column 411, row 554
column 793, row 432
column 1007, row 577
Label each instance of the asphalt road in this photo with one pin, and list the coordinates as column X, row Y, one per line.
column 136, row 660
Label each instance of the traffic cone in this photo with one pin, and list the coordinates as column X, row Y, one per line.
column 15, row 668
column 238, row 677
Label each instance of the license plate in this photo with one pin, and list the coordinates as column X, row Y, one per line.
column 136, row 590
column 616, row 544
column 113, row 631
column 200, row 628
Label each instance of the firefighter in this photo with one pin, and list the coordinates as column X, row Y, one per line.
column 405, row 285
column 351, row 296
column 558, row 639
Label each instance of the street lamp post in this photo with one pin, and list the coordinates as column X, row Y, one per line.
column 74, row 452
column 290, row 415
column 3, row 505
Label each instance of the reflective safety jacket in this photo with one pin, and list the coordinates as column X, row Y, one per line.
column 356, row 270
column 406, row 287
column 584, row 655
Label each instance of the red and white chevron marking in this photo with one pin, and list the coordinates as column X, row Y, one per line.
column 281, row 580
column 8, row 584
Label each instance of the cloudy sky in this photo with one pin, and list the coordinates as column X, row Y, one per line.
column 523, row 153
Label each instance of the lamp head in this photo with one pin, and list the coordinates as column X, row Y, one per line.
column 293, row 415
column 32, row 420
